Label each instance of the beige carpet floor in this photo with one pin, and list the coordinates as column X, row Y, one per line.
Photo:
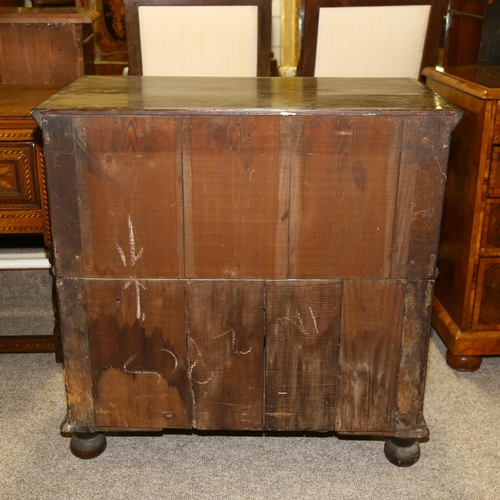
column 460, row 461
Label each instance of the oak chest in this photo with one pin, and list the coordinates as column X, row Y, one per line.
column 246, row 254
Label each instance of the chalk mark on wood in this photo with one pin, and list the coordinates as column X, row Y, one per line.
column 233, row 341
column 134, row 257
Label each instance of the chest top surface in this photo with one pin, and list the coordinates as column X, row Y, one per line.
column 177, row 95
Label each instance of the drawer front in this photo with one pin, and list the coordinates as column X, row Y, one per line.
column 18, row 180
column 490, row 240
column 494, row 184
column 487, row 303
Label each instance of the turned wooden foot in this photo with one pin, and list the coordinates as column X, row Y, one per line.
column 463, row 363
column 88, row 445
column 402, row 452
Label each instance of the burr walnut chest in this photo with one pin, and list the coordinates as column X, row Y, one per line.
column 246, row 254
column 467, row 305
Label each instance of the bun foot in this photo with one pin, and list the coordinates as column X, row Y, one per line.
column 87, row 445
column 401, row 451
column 463, row 363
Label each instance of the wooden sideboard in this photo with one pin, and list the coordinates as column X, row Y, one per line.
column 467, row 304
column 46, row 46
column 246, row 253
column 23, row 190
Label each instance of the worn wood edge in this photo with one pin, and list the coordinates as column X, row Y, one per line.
column 415, row 333
column 27, row 343
column 420, row 433
column 24, row 15
column 76, row 352
column 468, row 343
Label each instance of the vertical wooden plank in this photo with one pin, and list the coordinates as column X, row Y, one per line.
column 237, row 171
column 130, row 181
column 76, row 352
column 343, row 196
column 414, row 348
column 370, row 345
column 302, row 337
column 138, row 352
column 412, row 128
column 63, row 194
column 432, row 163
column 225, row 327
column 41, row 53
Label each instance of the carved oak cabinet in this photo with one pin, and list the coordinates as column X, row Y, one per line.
column 246, row 254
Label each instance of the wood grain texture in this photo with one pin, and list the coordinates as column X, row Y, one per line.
column 414, row 347
column 461, row 226
column 248, row 96
column 494, row 184
column 18, row 130
column 487, row 302
column 463, row 343
column 490, row 239
column 432, row 162
column 225, row 329
column 41, row 49
column 131, row 227
column 370, row 344
column 63, row 195
column 236, row 185
column 343, row 196
column 76, row 352
column 302, row 337
column 138, row 352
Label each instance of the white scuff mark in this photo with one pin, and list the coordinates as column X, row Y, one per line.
column 138, row 285
column 205, row 381
column 282, row 393
column 129, row 360
column 199, row 359
column 134, row 257
column 172, row 354
column 314, row 319
column 287, row 113
column 233, row 341
column 138, row 372
column 122, row 254
column 251, row 174
column 299, row 325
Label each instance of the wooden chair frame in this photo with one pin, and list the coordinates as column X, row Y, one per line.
column 263, row 33
column 307, row 60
